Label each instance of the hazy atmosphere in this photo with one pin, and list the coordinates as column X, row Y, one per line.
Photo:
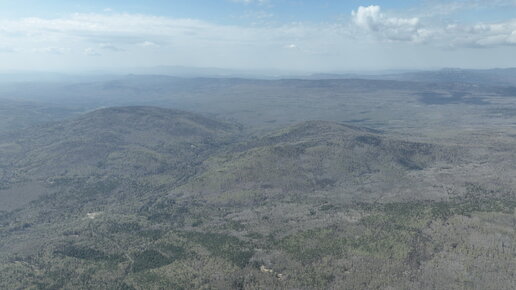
column 258, row 144
column 285, row 35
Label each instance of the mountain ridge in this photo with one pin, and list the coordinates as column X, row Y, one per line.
column 324, row 204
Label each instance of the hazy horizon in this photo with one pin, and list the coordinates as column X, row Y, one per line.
column 192, row 71
column 258, row 144
column 257, row 35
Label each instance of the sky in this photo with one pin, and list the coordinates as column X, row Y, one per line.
column 283, row 35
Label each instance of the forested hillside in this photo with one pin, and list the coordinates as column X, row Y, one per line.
column 143, row 197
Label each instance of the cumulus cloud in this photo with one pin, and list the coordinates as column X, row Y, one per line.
column 371, row 21
column 482, row 34
column 121, row 32
column 139, row 39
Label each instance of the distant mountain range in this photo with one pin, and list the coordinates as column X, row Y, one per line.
column 496, row 77
column 500, row 76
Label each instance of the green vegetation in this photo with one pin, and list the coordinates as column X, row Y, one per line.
column 149, row 259
column 224, row 246
column 86, row 253
column 146, row 198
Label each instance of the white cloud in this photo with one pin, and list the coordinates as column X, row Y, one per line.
column 481, row 35
column 374, row 23
column 120, row 32
column 195, row 42
column 176, row 41
column 372, row 20
column 131, row 30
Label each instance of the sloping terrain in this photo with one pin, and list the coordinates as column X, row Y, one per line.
column 121, row 142
column 318, row 157
column 149, row 198
column 19, row 115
